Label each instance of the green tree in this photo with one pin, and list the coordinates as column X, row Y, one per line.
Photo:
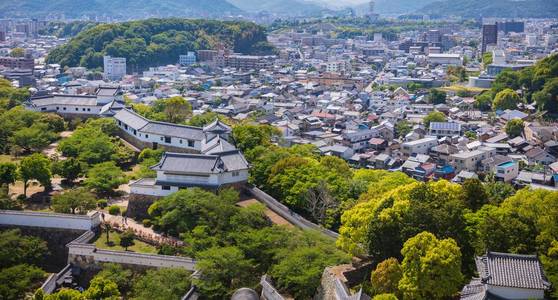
column 514, row 128
column 104, row 177
column 65, row 294
column 431, row 267
column 474, row 194
column 486, row 58
column 437, row 96
column 434, row 116
column 507, row 79
column 101, row 288
column 7, row 202
column 162, row 284
column 385, row 297
column 403, row 128
column 127, row 239
column 70, row 169
column 18, row 280
column 248, row 136
column 223, row 270
column 18, row 249
column 34, row 138
column 498, row 191
column 385, row 279
column 176, row 109
column 299, row 270
column 506, row 99
column 17, row 52
column 35, row 166
column 8, row 173
column 483, row 101
column 74, row 200
column 119, row 275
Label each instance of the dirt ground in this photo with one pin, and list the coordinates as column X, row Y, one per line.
column 51, row 151
column 275, row 218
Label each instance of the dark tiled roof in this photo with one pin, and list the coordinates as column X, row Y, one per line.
column 511, row 270
column 169, row 129
column 217, row 126
column 131, row 118
column 138, row 122
column 202, row 163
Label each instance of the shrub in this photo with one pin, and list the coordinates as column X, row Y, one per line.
column 102, row 203
column 146, row 222
column 114, row 210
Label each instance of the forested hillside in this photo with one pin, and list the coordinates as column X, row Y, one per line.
column 494, row 8
column 156, row 42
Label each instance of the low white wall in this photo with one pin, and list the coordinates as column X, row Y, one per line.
column 150, row 260
column 80, row 247
column 268, row 290
column 50, row 220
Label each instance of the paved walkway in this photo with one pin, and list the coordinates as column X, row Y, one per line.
column 146, row 234
column 51, row 150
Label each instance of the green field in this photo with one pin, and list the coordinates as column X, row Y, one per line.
column 114, row 244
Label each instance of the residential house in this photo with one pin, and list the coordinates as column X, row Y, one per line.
column 421, row 146
column 441, row 129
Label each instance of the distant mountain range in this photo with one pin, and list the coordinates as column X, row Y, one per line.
column 139, row 9
column 287, row 7
column 493, row 8
column 118, row 8
column 394, row 7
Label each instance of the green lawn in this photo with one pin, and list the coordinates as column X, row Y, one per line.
column 114, row 239
column 8, row 158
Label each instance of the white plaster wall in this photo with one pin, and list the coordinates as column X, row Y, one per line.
column 516, row 293
column 49, row 220
column 159, row 261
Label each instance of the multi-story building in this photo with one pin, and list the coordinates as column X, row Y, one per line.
column 22, row 63
column 489, row 36
column 511, row 26
column 206, row 55
column 470, row 160
column 445, row 59
column 421, row 146
column 114, row 68
column 246, row 62
column 441, row 129
column 507, row 171
column 2, row 36
column 359, row 140
column 188, row 59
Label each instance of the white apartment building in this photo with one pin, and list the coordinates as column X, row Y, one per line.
column 188, row 59
column 470, row 160
column 114, row 68
column 421, row 146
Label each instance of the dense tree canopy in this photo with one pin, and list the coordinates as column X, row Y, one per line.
column 514, row 128
column 78, row 200
column 234, row 246
column 156, row 42
column 434, row 116
column 37, row 167
column 431, row 268
column 506, row 99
